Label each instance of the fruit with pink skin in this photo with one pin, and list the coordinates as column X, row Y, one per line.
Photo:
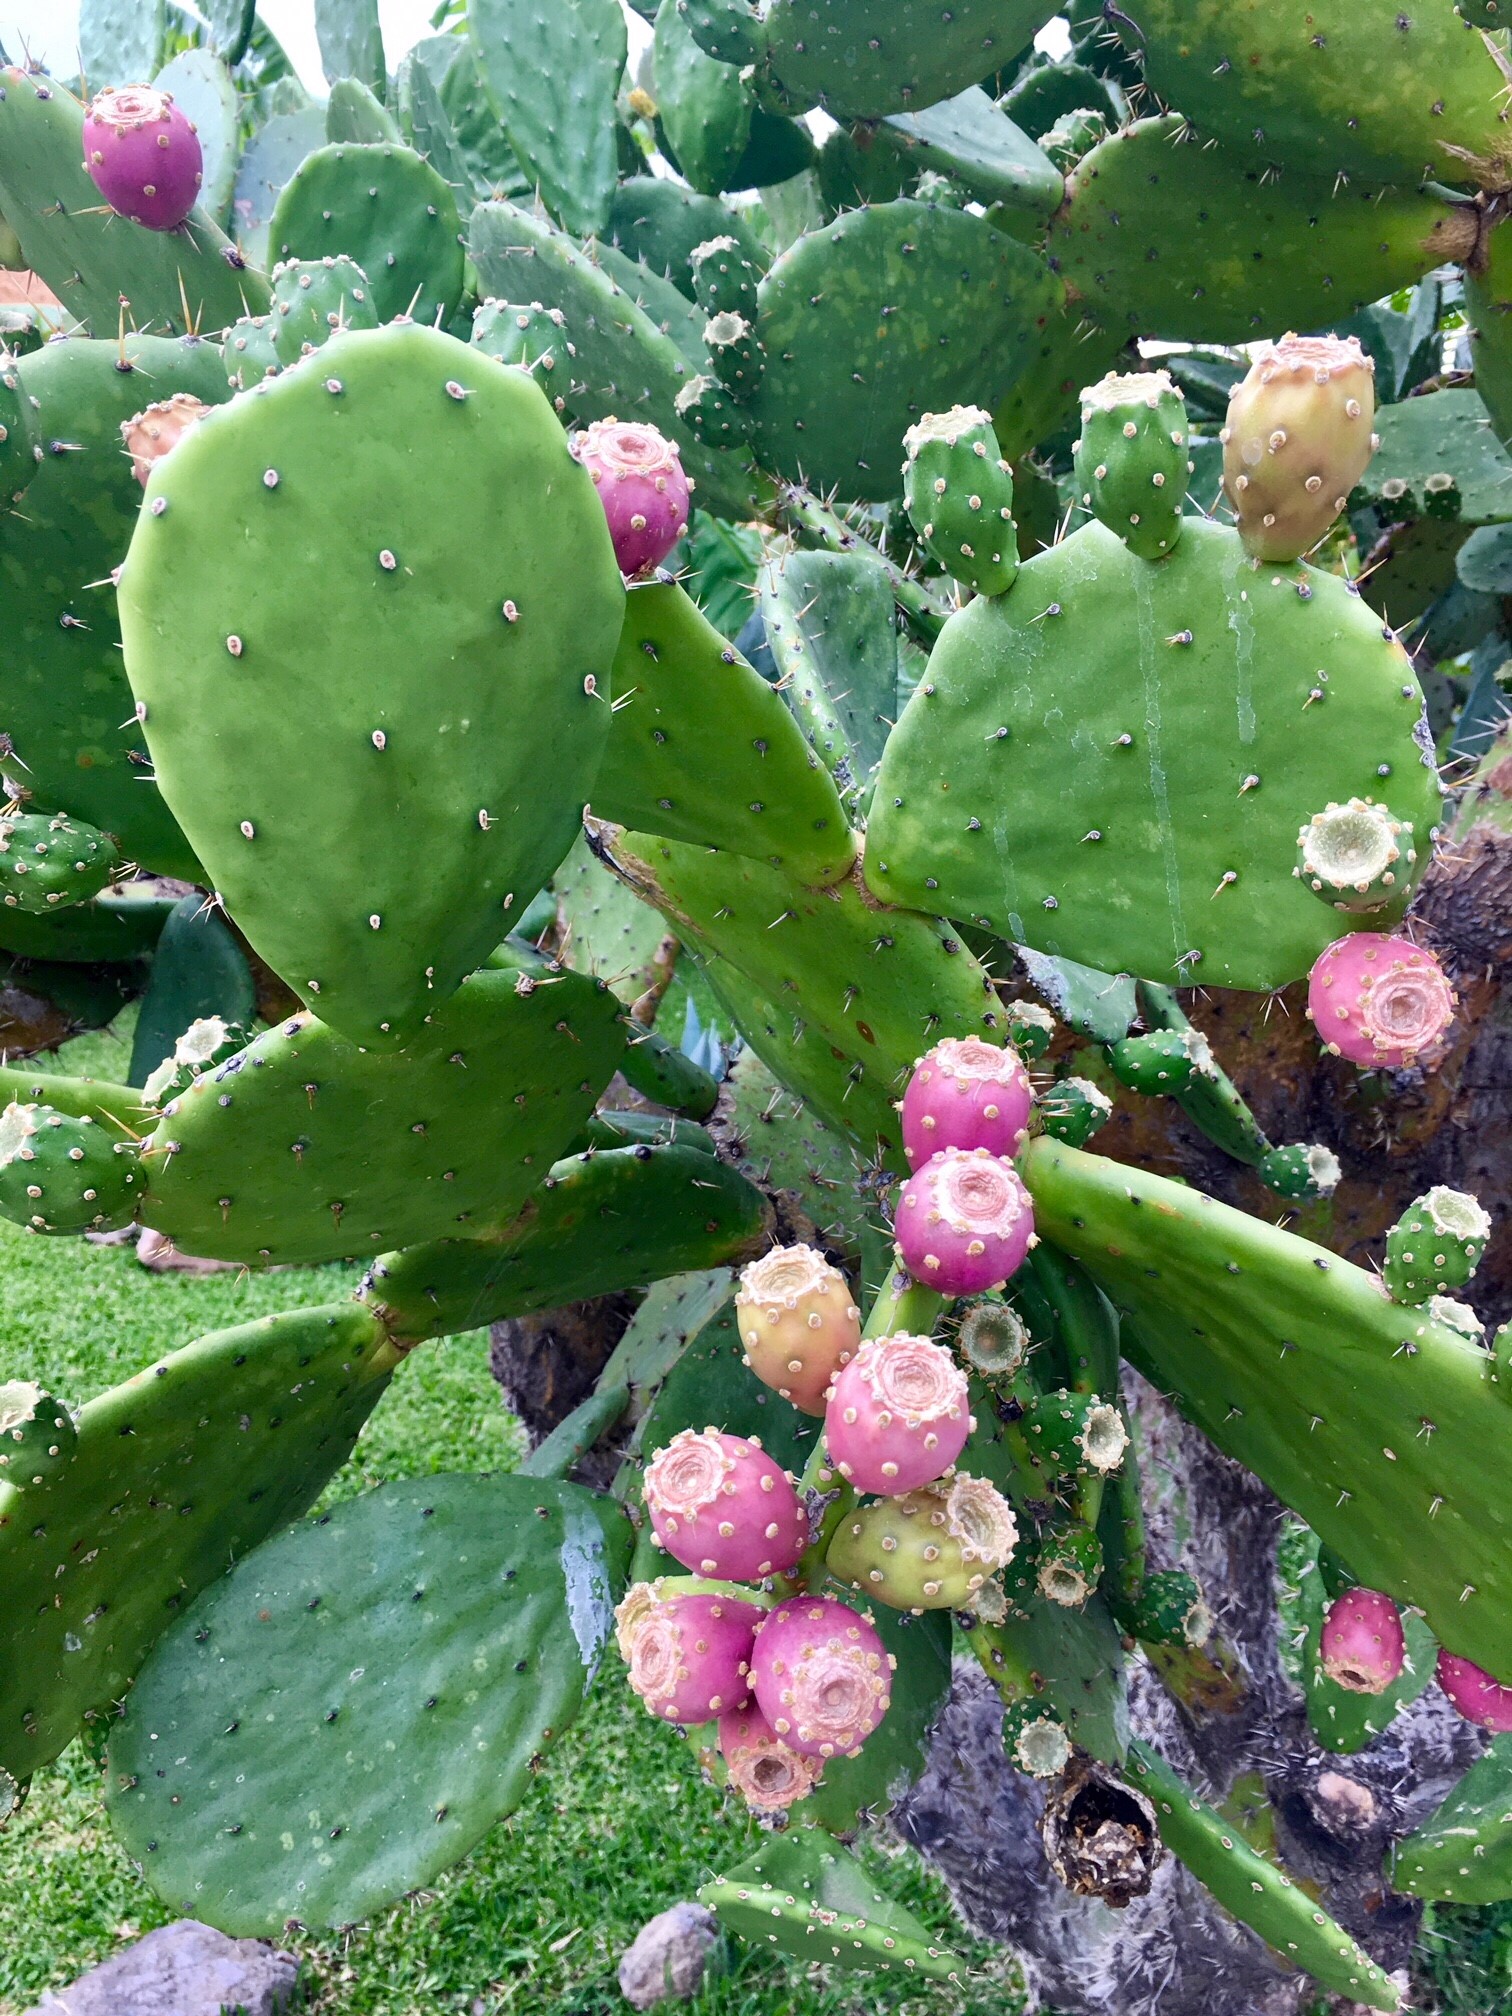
column 898, row 1415
column 798, row 1323
column 722, row 1506
column 639, row 478
column 1379, row 1000
column 965, row 1222
column 763, row 1769
column 689, row 1656
column 1362, row 1646
column 143, row 155
column 1475, row 1694
column 966, row 1094
column 157, row 430
column 821, row 1676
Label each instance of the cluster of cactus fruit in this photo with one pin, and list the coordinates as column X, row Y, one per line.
column 476, row 567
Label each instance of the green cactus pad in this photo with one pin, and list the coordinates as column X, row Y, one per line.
column 1436, row 1244
column 860, row 59
column 1258, row 1893
column 1069, row 352
column 972, row 140
column 457, row 732
column 307, row 1147
column 782, row 1145
column 351, row 42
column 1293, row 1362
column 660, row 224
column 924, row 307
column 605, row 929
column 531, row 337
column 198, row 970
column 1439, row 457
column 315, row 299
column 664, row 1074
column 387, row 210
column 552, row 73
column 187, row 1465
column 1249, row 251
column 1153, row 813
column 704, row 105
column 443, row 1629
column 118, row 1106
column 727, row 29
column 64, row 700
column 1378, row 93
column 428, row 126
column 354, row 114
column 249, row 352
column 64, row 1172
column 1462, row 1853
column 1488, row 303
column 626, row 366
column 49, row 861
column 93, row 259
column 38, row 1436
column 603, row 1220
column 702, row 749
column 1072, row 1659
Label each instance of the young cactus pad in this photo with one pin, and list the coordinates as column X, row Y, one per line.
column 302, row 696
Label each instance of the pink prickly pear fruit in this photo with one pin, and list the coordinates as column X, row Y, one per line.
column 1296, row 442
column 1379, row 1000
column 1475, row 1694
column 158, row 429
column 639, row 477
column 722, row 1506
column 797, row 1322
column 143, row 155
column 763, row 1769
column 821, row 1676
column 1362, row 1645
column 965, row 1222
column 966, row 1093
column 898, row 1415
column 689, row 1656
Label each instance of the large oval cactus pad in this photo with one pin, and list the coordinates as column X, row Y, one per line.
column 370, row 616
column 351, row 1709
column 1113, row 761
column 191, row 1462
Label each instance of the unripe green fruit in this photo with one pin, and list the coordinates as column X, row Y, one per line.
column 1348, row 854
column 959, row 494
column 1035, row 1739
column 1074, row 1432
column 1072, row 1110
column 1131, row 460
column 59, row 1173
column 1166, row 1060
column 313, row 298
column 1031, row 1028
column 38, row 1438
column 724, row 280
column 1302, row 1171
column 1070, row 1566
column 1072, row 135
column 931, row 1549
column 1435, row 1245
column 707, row 409
column 735, row 353
column 1168, row 1610
column 48, row 861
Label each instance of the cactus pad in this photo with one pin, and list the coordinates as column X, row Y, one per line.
column 49, row 860
column 1462, row 1853
column 387, row 210
column 860, row 59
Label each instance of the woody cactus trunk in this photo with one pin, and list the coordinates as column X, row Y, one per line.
column 823, row 727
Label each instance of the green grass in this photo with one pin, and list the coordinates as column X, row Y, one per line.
column 618, row 1824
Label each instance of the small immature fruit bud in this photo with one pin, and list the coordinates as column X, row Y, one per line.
column 1070, row 1566
column 931, row 1549
column 1435, row 1245
column 724, row 280
column 821, row 1676
column 1168, row 1610
column 1475, row 1694
column 639, row 477
column 1072, row 1110
column 1165, row 1060
column 1303, row 412
column 1380, row 1001
column 763, row 1769
column 1362, row 1645
column 898, row 1415
column 966, row 1094
column 964, row 1222
column 1132, row 461
column 1070, row 1432
column 159, row 428
column 38, row 1439
column 721, row 1506
column 797, row 1322
column 1031, row 1027
column 1303, row 1171
column 708, row 411
column 49, row 861
column 959, row 494
column 1355, row 855
column 689, row 1656
column 65, row 1173
column 143, row 155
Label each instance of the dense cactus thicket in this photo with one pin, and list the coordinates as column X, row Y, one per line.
column 823, row 728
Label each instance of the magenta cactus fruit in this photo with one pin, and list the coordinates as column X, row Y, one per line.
column 965, row 1222
column 898, row 1415
column 1362, row 1645
column 798, row 1323
column 1379, row 1000
column 966, row 1093
column 722, row 1506
column 689, row 1656
column 764, row 1770
column 1475, row 1694
column 157, row 430
column 143, row 155
column 821, row 1676
column 640, row 481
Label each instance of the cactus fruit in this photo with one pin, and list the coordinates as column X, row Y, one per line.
column 1131, row 460
column 1073, row 1109
column 965, row 1222
column 966, row 1094
column 707, row 408
column 959, row 493
column 143, row 155
column 313, row 300
column 639, row 477
column 798, row 1323
column 1031, row 1028
column 993, row 1339
column 1296, row 441
column 1435, row 1245
column 38, row 1436
column 764, row 1770
column 821, row 1676
column 48, row 861
column 689, row 1655
column 1165, row 1060
column 1380, row 1001
column 1069, row 1432
column 1069, row 1566
column 930, row 1549
column 1035, row 1739
column 723, row 278
column 532, row 338
column 1475, row 1694
column 65, row 1173
column 158, row 429
column 1362, row 1644
column 737, row 356
column 1303, row 1171
column 721, row 1506
column 898, row 1414
column 1348, row 854
column 1168, row 1610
